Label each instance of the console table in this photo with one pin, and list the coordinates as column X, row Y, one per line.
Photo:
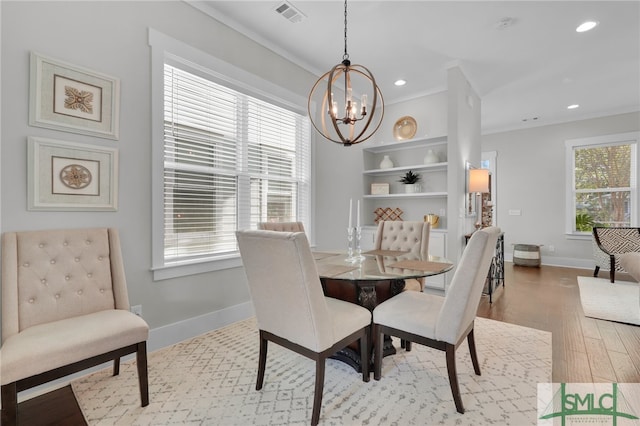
column 495, row 277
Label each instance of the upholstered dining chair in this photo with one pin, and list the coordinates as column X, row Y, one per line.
column 282, row 226
column 404, row 236
column 291, row 309
column 440, row 322
column 65, row 308
column 410, row 236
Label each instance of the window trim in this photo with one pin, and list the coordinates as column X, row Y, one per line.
column 167, row 49
column 570, row 145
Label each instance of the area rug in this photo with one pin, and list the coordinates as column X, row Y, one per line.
column 602, row 299
column 210, row 380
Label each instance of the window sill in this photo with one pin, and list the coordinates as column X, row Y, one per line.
column 584, row 237
column 202, row 266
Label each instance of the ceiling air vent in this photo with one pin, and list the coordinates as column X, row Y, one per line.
column 290, row 12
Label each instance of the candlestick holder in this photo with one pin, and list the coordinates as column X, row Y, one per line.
column 358, row 250
column 350, row 233
column 354, row 251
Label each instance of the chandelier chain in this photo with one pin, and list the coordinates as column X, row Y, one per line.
column 346, row 55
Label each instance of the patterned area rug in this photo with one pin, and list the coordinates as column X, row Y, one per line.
column 210, row 380
column 602, row 299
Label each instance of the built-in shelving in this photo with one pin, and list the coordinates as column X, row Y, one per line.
column 409, row 144
column 406, row 155
column 435, row 167
column 410, row 195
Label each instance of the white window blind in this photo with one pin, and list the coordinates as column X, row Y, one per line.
column 230, row 161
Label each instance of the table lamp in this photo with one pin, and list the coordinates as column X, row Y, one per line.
column 479, row 184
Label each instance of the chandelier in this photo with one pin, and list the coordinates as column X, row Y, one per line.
column 347, row 122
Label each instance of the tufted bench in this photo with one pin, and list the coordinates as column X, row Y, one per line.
column 609, row 244
column 65, row 308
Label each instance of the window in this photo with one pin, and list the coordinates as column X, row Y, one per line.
column 231, row 157
column 602, row 182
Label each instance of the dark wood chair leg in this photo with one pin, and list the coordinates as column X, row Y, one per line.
column 377, row 352
column 116, row 366
column 595, row 271
column 407, row 345
column 317, row 396
column 9, row 416
column 612, row 275
column 472, row 351
column 453, row 377
column 262, row 362
column 143, row 374
column 365, row 355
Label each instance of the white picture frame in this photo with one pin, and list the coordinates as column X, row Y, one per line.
column 70, row 176
column 70, row 98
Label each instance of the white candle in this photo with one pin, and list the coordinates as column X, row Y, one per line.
column 350, row 213
column 358, row 215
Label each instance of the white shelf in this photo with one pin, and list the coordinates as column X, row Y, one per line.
column 410, row 195
column 409, row 144
column 434, row 167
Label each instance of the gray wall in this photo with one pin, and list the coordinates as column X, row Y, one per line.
column 531, row 178
column 111, row 37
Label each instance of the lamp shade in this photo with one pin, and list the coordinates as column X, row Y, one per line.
column 478, row 180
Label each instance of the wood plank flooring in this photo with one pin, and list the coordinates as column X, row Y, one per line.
column 546, row 298
column 584, row 349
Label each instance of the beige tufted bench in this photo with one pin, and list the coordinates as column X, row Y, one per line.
column 65, row 308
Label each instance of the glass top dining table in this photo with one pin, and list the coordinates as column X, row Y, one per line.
column 379, row 265
column 377, row 276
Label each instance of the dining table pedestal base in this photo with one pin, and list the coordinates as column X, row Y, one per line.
column 366, row 293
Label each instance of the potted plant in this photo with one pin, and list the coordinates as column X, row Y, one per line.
column 409, row 180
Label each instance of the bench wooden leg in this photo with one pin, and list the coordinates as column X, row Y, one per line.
column 9, row 416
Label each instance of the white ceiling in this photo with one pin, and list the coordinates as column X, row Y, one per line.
column 533, row 68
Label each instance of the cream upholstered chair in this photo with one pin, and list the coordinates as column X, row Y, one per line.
column 65, row 308
column 405, row 236
column 436, row 321
column 291, row 309
column 282, row 226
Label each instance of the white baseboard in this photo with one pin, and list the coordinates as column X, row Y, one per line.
column 565, row 262
column 170, row 334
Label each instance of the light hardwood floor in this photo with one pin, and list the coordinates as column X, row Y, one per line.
column 584, row 349
column 546, row 298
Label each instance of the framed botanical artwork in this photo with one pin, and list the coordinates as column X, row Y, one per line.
column 68, row 176
column 73, row 99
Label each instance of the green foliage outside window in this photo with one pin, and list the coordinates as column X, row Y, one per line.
column 602, row 186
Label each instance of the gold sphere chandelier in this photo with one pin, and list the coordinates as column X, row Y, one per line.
column 348, row 123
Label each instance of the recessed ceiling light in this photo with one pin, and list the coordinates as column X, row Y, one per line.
column 505, row 23
column 574, row 106
column 400, row 82
column 586, row 26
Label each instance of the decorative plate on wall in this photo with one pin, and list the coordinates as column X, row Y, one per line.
column 405, row 128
